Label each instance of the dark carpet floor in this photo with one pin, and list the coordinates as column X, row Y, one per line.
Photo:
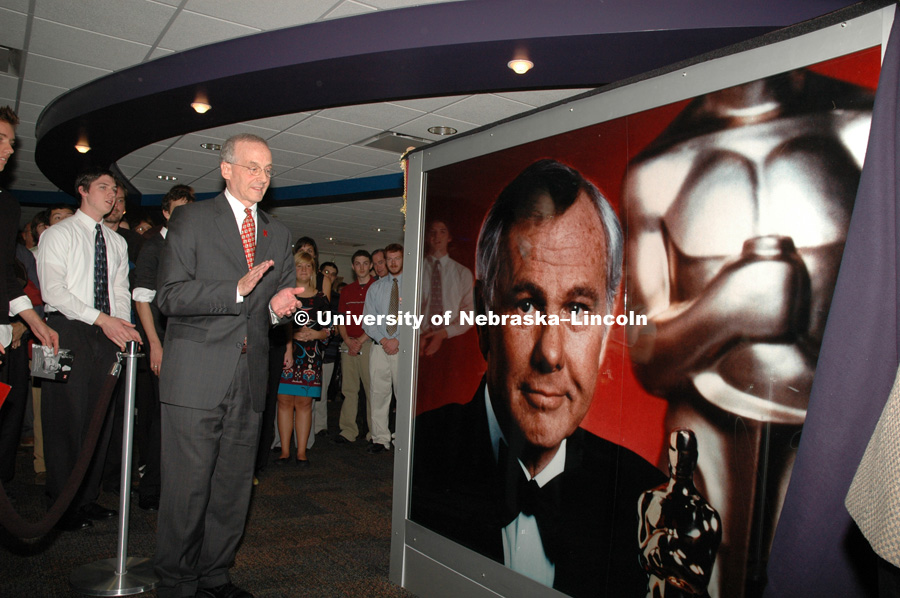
column 322, row 531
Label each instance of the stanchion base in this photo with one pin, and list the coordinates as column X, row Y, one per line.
column 100, row 579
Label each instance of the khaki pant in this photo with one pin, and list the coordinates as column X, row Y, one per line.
column 355, row 369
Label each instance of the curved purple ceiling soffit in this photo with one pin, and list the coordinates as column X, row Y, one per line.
column 434, row 50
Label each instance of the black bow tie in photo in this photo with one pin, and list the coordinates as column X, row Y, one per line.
column 521, row 495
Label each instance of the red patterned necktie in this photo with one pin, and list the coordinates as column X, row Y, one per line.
column 248, row 237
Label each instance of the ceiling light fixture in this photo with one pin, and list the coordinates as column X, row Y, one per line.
column 520, row 66
column 213, row 147
column 166, row 177
column 442, row 131
column 201, row 107
column 82, row 147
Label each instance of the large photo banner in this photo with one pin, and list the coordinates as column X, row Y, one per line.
column 621, row 327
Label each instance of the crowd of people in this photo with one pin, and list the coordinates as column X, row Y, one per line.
column 90, row 279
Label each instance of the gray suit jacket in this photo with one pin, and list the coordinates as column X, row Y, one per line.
column 874, row 497
column 200, row 266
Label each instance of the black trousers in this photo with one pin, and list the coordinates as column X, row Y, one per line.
column 67, row 408
column 147, row 427
column 13, row 371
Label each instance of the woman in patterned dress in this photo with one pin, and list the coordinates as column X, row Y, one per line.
column 301, row 380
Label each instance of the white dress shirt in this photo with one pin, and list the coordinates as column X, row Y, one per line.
column 65, row 263
column 378, row 301
column 523, row 551
column 456, row 292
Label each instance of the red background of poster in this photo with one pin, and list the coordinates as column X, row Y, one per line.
column 460, row 195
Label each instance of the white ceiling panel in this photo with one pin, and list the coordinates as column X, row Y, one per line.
column 348, row 8
column 17, row 5
column 40, row 93
column 428, row 104
column 8, row 88
column 285, row 160
column 61, row 73
column 303, row 145
column 159, row 53
column 29, row 113
column 327, row 129
column 336, row 167
column 483, row 109
column 540, row 98
column 93, row 49
column 290, row 178
column 271, row 14
column 390, row 4
column 177, row 155
column 157, row 187
column 211, row 182
column 279, row 123
column 150, row 151
column 385, row 170
column 379, row 116
column 28, row 167
column 365, row 155
column 178, row 169
column 135, row 20
column 226, row 131
column 12, row 33
column 191, row 29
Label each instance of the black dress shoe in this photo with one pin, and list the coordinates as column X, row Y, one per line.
column 96, row 512
column 228, row 590
column 282, row 461
column 341, row 440
column 376, row 449
column 303, row 462
column 149, row 503
column 73, row 523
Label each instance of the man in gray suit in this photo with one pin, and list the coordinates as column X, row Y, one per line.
column 226, row 274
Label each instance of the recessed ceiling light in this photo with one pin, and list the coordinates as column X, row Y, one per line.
column 520, row 66
column 213, row 147
column 82, row 147
column 442, row 130
column 201, row 107
column 376, row 229
column 166, row 177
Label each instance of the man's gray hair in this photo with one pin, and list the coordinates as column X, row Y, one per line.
column 516, row 203
column 226, row 154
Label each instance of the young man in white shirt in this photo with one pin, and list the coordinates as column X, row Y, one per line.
column 83, row 270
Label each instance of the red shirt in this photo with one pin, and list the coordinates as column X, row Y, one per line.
column 353, row 299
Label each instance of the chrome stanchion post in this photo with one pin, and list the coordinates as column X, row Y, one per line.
column 121, row 576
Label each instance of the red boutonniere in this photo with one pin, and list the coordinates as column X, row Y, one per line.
column 265, row 233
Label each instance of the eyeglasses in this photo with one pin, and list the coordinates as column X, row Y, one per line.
column 256, row 170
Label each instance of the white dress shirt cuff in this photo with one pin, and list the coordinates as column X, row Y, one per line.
column 143, row 295
column 19, row 304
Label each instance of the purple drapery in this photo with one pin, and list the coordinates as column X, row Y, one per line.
column 818, row 551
